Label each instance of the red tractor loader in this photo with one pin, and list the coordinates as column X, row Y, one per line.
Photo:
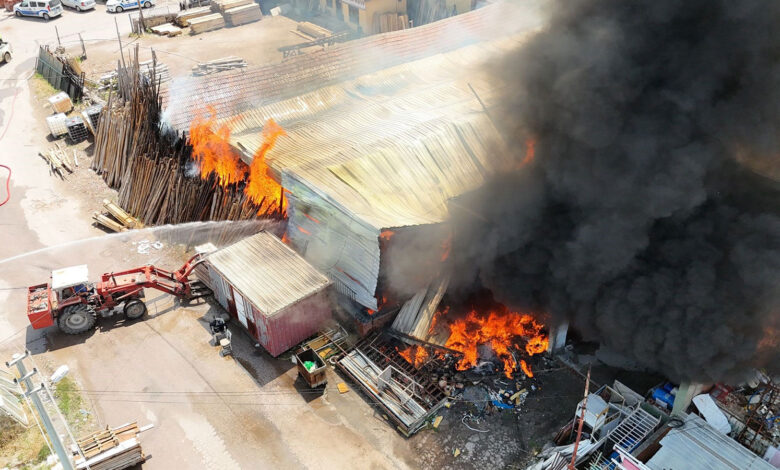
column 75, row 303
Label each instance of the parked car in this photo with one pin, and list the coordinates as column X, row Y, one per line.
column 118, row 6
column 79, row 5
column 5, row 52
column 39, row 8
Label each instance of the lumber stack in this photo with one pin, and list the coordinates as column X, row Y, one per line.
column 184, row 17
column 218, row 65
column 111, row 449
column 206, row 23
column 152, row 168
column 59, row 161
column 389, row 22
column 311, row 29
column 243, row 14
column 221, row 6
column 166, row 29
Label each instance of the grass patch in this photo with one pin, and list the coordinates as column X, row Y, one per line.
column 21, row 447
column 41, row 87
column 69, row 400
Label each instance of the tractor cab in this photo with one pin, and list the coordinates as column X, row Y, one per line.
column 69, row 282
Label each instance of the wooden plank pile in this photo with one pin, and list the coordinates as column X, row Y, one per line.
column 205, row 23
column 243, row 14
column 184, row 17
column 221, row 6
column 314, row 31
column 116, row 218
column 152, row 168
column 111, row 449
column 59, row 160
column 218, row 65
column 389, row 22
column 166, row 29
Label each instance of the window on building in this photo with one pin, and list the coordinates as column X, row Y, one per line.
column 353, row 14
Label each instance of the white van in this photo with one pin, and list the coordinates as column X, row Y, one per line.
column 39, row 8
column 118, row 6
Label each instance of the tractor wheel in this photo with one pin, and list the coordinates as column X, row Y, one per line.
column 76, row 319
column 135, row 309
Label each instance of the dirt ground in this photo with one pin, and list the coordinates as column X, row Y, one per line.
column 247, row 411
column 257, row 43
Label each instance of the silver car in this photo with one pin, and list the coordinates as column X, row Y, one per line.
column 79, row 5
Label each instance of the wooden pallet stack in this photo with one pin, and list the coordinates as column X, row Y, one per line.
column 221, row 6
column 184, row 17
column 205, row 23
column 218, row 65
column 389, row 22
column 111, row 449
column 243, row 14
column 166, row 29
column 313, row 30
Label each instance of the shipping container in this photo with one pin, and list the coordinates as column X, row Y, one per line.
column 270, row 290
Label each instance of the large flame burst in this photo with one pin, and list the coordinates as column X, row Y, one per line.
column 211, row 150
column 502, row 330
column 261, row 186
column 213, row 153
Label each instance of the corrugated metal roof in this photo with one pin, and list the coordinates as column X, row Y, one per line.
column 392, row 147
column 267, row 272
column 233, row 92
column 697, row 445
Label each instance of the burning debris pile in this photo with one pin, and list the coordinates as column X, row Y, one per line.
column 164, row 178
column 639, row 217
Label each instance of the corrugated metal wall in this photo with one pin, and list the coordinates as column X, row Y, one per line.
column 343, row 247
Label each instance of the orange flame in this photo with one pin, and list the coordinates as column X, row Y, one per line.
column 310, row 218
column 303, row 231
column 261, row 187
column 530, row 153
column 526, row 369
column 211, row 150
column 386, row 235
column 414, row 355
column 500, row 329
column 446, row 246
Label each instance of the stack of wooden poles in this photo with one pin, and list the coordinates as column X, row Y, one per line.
column 153, row 169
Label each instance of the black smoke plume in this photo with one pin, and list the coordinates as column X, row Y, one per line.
column 641, row 218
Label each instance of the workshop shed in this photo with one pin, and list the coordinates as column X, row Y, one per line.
column 272, row 291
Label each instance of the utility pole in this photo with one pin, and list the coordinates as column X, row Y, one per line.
column 32, row 393
column 582, row 419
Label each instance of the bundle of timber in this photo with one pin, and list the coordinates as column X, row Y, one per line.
column 243, row 14
column 166, row 29
column 116, row 218
column 218, row 65
column 206, row 23
column 311, row 29
column 389, row 22
column 221, row 6
column 59, row 160
column 152, row 167
column 184, row 17
column 111, row 449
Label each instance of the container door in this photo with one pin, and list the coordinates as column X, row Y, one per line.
column 241, row 308
column 219, row 288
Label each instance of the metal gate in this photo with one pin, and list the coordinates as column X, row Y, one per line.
column 59, row 74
